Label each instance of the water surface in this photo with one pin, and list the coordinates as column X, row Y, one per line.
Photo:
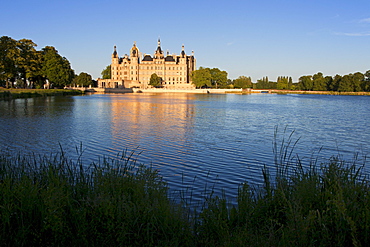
column 216, row 138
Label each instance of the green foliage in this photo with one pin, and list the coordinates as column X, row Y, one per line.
column 305, row 83
column 243, row 82
column 155, row 80
column 83, row 80
column 218, row 78
column 56, row 68
column 8, row 53
column 264, row 83
column 319, row 83
column 202, row 77
column 284, row 82
column 207, row 78
column 20, row 62
column 106, row 73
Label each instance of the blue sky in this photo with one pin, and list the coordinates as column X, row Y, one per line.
column 252, row 38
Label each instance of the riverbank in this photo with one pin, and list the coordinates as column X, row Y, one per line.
column 213, row 91
column 318, row 92
column 6, row 94
column 52, row 201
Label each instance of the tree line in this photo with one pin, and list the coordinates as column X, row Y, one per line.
column 356, row 82
column 22, row 66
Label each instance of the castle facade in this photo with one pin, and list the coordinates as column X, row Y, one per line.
column 135, row 70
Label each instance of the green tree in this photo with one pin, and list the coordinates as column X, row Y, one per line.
column 318, row 82
column 218, row 78
column 83, row 80
column 357, row 81
column 56, row 68
column 264, row 83
column 106, row 73
column 155, row 80
column 290, row 83
column 345, row 84
column 282, row 82
column 366, row 82
column 8, row 53
column 28, row 62
column 201, row 77
column 334, row 83
column 243, row 82
column 305, row 82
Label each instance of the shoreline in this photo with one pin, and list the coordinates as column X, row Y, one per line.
column 19, row 93
column 14, row 93
column 216, row 91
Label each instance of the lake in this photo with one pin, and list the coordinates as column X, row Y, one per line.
column 196, row 141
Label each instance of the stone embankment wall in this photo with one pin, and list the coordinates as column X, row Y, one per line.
column 203, row 91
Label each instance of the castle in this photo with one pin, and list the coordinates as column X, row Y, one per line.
column 135, row 70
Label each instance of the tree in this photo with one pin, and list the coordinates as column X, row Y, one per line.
column 243, row 82
column 56, row 68
column 106, row 73
column 345, row 84
column 305, row 82
column 290, row 83
column 282, row 82
column 329, row 82
column 155, row 80
column 201, row 77
column 357, row 81
column 83, row 80
column 366, row 82
column 264, row 83
column 8, row 53
column 318, row 82
column 334, row 85
column 29, row 60
column 218, row 78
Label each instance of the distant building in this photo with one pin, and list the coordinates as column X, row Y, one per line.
column 135, row 70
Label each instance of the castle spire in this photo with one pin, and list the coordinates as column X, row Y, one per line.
column 183, row 50
column 115, row 52
column 159, row 51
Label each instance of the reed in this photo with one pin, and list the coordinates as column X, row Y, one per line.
column 53, row 201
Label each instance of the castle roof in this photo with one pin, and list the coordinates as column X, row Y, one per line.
column 147, row 58
column 169, row 59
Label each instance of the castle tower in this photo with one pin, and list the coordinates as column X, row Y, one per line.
column 115, row 64
column 134, row 67
column 158, row 53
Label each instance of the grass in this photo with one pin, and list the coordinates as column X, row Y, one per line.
column 6, row 94
column 52, row 201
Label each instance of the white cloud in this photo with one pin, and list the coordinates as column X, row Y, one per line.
column 361, row 34
column 366, row 20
